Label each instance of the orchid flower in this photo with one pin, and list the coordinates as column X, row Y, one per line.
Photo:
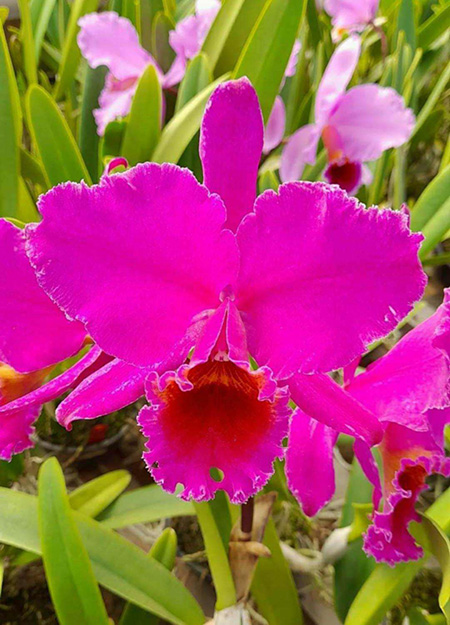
column 35, row 335
column 110, row 40
column 355, row 126
column 180, row 282
column 351, row 15
column 188, row 37
column 408, row 389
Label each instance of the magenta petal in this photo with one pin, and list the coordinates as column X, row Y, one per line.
column 111, row 388
column 136, row 257
column 231, row 143
column 351, row 14
column 107, row 39
column 214, row 415
column 300, row 149
column 320, row 397
column 322, row 277
column 336, row 77
column 309, row 462
column 18, row 416
column 34, row 332
column 370, row 119
column 412, row 378
column 274, row 131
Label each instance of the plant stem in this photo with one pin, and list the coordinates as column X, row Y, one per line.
column 247, row 516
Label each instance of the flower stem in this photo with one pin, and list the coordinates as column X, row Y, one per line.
column 247, row 516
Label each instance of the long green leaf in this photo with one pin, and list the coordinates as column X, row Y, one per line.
column 144, row 123
column 75, row 594
column 431, row 200
column 197, row 77
column 10, row 133
column 26, row 35
column 53, row 140
column 435, row 230
column 405, row 22
column 217, row 554
column 280, row 605
column 41, row 11
column 118, row 564
column 144, row 505
column 182, row 127
column 381, row 592
column 164, row 551
column 94, row 496
column 70, row 51
column 267, row 51
column 434, row 27
column 433, row 98
column 229, row 32
column 88, row 137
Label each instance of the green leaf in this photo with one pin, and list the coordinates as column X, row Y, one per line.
column 266, row 53
column 361, row 520
column 197, row 77
column 27, row 211
column 439, row 511
column 26, row 36
column 354, row 567
column 217, row 554
column 88, row 137
column 229, row 32
column 380, row 592
column 111, row 142
column 10, row 133
column 144, row 505
column 405, row 22
column 144, row 122
column 273, row 586
column 435, row 230
column 94, row 496
column 182, row 127
column 118, row 564
column 74, row 591
column 434, row 27
column 70, row 51
column 53, row 140
column 41, row 11
column 433, row 540
column 268, row 180
column 164, row 551
column 162, row 50
column 433, row 98
column 31, row 169
column 431, row 200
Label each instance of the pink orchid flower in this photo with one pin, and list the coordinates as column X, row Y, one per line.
column 188, row 37
column 409, row 391
column 35, row 335
column 351, row 15
column 355, row 126
column 110, row 40
column 179, row 282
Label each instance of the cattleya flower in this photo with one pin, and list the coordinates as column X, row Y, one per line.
column 351, row 15
column 35, row 335
column 408, row 389
column 355, row 126
column 107, row 39
column 180, row 282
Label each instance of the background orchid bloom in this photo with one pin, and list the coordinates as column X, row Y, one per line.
column 355, row 126
column 351, row 15
column 110, row 40
column 35, row 335
column 409, row 391
column 188, row 37
column 227, row 277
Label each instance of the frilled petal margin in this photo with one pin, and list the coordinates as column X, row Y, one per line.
column 17, row 417
column 312, row 307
